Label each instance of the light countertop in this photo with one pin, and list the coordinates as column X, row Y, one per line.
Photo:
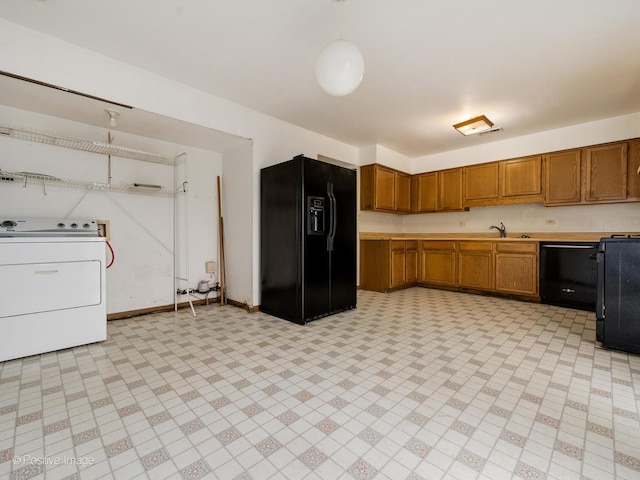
column 511, row 237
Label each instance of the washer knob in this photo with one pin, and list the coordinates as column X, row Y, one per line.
column 74, row 225
column 9, row 224
column 86, row 225
column 61, row 225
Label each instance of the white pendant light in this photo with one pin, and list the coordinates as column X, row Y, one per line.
column 340, row 66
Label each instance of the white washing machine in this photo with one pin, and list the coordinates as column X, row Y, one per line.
column 52, row 285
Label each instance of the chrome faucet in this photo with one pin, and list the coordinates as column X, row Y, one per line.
column 501, row 229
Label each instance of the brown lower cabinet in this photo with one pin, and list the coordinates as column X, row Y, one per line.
column 388, row 264
column 517, row 268
column 411, row 262
column 438, row 259
column 489, row 266
column 475, row 265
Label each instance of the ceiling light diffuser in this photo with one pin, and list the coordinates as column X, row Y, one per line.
column 474, row 125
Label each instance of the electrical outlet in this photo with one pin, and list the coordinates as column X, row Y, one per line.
column 104, row 229
column 550, row 221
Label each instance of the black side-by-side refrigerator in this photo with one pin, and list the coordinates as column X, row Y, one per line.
column 307, row 239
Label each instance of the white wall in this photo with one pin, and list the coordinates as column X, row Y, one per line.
column 619, row 217
column 34, row 55
column 141, row 225
column 380, row 222
column 277, row 142
column 384, row 156
column 238, row 196
column 592, row 133
column 393, row 159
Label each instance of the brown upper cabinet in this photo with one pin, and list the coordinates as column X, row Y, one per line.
column 450, row 190
column 481, row 184
column 437, row 191
column 384, row 189
column 605, row 173
column 424, row 192
column 521, row 179
column 599, row 174
column 633, row 171
column 562, row 178
column 506, row 182
column 403, row 192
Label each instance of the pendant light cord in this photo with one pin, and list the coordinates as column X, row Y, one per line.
column 110, row 140
column 341, row 20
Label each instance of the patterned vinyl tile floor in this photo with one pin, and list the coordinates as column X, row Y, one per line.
column 416, row 384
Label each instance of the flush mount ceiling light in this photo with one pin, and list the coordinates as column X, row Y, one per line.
column 112, row 117
column 474, row 125
column 340, row 66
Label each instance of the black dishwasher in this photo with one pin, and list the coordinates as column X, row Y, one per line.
column 569, row 274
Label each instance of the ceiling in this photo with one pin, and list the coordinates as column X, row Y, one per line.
column 55, row 102
column 528, row 66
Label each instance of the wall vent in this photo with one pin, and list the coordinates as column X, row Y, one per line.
column 489, row 132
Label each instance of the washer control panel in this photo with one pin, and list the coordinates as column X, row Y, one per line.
column 42, row 227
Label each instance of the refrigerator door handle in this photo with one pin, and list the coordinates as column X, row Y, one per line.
column 332, row 220
column 600, row 300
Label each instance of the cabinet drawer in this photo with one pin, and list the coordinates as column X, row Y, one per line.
column 397, row 245
column 476, row 246
column 438, row 245
column 507, row 247
column 411, row 244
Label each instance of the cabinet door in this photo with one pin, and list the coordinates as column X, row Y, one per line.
column 411, row 252
column 562, row 178
column 633, row 170
column 385, row 181
column 475, row 265
column 398, row 264
column 450, row 189
column 606, row 173
column 402, row 192
column 424, row 192
column 374, row 265
column 438, row 262
column 517, row 268
column 480, row 184
column 521, row 177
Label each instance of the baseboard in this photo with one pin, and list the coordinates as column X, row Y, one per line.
column 169, row 308
column 156, row 309
column 244, row 305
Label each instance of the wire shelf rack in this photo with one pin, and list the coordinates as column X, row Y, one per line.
column 43, row 180
column 86, row 145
